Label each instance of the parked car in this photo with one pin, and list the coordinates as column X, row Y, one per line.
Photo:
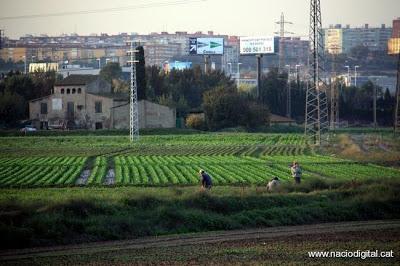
column 28, row 129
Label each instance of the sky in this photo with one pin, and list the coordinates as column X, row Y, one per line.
column 232, row 17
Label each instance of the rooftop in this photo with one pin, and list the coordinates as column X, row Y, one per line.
column 77, row 80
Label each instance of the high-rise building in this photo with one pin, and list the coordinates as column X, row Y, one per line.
column 394, row 42
column 342, row 40
column 396, row 28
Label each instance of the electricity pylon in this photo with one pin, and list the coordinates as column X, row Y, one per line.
column 316, row 113
column 133, row 108
column 282, row 33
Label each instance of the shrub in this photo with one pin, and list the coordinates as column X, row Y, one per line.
column 195, row 121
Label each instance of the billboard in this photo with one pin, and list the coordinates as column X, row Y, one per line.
column 206, row 46
column 259, row 45
column 42, row 67
column 168, row 66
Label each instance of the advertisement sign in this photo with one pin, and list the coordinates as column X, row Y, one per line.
column 206, row 46
column 177, row 65
column 259, row 45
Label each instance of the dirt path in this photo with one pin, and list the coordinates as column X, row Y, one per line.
column 202, row 238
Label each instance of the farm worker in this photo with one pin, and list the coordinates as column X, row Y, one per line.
column 273, row 184
column 296, row 172
column 206, row 182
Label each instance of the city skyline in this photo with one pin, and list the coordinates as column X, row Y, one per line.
column 222, row 17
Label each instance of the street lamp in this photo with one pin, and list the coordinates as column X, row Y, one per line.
column 355, row 75
column 98, row 59
column 348, row 75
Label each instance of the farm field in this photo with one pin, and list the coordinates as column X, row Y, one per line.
column 163, row 160
column 59, row 190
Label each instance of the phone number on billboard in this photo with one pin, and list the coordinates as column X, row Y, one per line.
column 257, row 50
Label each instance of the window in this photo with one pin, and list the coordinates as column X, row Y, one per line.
column 68, row 91
column 97, row 107
column 62, row 91
column 43, row 108
column 73, row 91
column 99, row 125
column 79, row 90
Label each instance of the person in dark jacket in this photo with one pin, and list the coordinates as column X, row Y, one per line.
column 206, row 181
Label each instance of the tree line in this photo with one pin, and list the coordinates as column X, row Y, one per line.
column 213, row 93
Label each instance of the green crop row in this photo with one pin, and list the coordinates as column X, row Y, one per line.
column 170, row 170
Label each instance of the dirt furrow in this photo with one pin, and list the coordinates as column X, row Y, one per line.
column 192, row 239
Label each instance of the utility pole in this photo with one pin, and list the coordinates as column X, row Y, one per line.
column 397, row 108
column 316, row 113
column 355, row 75
column 133, row 108
column 288, row 95
column 238, row 75
column 282, row 33
column 374, row 105
column 258, row 56
column 334, row 91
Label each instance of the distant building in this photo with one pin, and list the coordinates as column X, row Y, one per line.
column 13, row 54
column 230, row 58
column 296, row 50
column 342, row 40
column 66, row 70
column 280, row 120
column 87, row 102
column 394, row 42
column 158, row 52
column 396, row 28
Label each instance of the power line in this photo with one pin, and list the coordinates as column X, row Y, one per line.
column 104, row 10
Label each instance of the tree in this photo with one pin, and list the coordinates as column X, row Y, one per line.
column 225, row 107
column 12, row 107
column 140, row 73
column 111, row 71
column 155, row 79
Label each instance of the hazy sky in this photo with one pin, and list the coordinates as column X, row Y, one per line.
column 245, row 17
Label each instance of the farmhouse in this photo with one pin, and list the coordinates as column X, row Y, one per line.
column 87, row 102
column 281, row 120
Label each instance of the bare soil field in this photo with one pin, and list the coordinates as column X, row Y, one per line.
column 267, row 246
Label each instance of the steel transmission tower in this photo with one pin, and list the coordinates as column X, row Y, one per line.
column 316, row 113
column 282, row 33
column 133, row 109
column 397, row 108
